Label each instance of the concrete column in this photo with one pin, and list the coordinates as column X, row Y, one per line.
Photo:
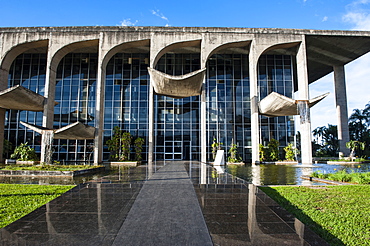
column 203, row 125
column 253, row 62
column 48, row 116
column 203, row 105
column 342, row 111
column 3, row 85
column 304, row 110
column 99, row 113
column 151, row 130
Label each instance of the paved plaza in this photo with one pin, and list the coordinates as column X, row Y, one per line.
column 182, row 203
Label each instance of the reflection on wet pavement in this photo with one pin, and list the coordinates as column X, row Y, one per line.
column 93, row 213
column 238, row 213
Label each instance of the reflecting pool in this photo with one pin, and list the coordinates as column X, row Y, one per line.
column 288, row 174
column 258, row 175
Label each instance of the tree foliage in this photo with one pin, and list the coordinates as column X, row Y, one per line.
column 326, row 143
column 215, row 146
column 326, row 140
column 138, row 143
column 234, row 157
column 354, row 145
column 359, row 124
column 290, row 152
column 24, row 153
column 120, row 145
column 271, row 152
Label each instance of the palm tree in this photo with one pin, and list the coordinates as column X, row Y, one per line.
column 318, row 133
column 329, row 140
column 353, row 145
column 358, row 123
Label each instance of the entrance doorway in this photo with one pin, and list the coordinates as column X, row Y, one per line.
column 173, row 150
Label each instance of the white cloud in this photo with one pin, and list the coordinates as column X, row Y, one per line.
column 325, row 19
column 361, row 21
column 357, row 74
column 358, row 15
column 159, row 14
column 324, row 112
column 127, row 22
column 357, row 80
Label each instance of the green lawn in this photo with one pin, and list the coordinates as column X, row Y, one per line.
column 339, row 214
column 17, row 200
column 345, row 176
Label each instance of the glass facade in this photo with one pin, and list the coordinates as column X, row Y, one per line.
column 275, row 73
column 228, row 103
column 126, row 97
column 177, row 121
column 75, row 91
column 28, row 70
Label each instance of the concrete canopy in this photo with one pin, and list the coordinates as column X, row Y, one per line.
column 76, row 130
column 328, row 50
column 276, row 104
column 21, row 98
column 181, row 86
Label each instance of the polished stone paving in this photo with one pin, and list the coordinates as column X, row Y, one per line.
column 182, row 203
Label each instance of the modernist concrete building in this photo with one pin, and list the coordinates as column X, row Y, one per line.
column 178, row 87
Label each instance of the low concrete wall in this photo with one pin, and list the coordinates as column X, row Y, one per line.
column 51, row 173
column 324, row 180
column 343, row 162
column 235, row 163
column 125, row 163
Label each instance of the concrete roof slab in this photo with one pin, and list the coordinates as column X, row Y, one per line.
column 76, row 130
column 21, row 98
column 276, row 104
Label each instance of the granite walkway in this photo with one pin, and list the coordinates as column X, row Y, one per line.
column 166, row 212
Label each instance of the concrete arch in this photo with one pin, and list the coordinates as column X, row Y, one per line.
column 58, row 55
column 173, row 46
column 11, row 54
column 237, row 46
column 19, row 49
column 290, row 47
column 122, row 47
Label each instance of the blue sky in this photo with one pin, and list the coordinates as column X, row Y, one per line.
column 301, row 14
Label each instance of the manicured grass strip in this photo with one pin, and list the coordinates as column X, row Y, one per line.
column 47, row 167
column 344, row 176
column 339, row 214
column 17, row 200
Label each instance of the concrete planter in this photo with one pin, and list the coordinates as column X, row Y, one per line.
column 51, row 173
column 235, row 163
column 343, row 162
column 125, row 163
column 286, row 163
column 13, row 161
column 10, row 161
column 279, row 162
column 327, row 181
column 27, row 162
